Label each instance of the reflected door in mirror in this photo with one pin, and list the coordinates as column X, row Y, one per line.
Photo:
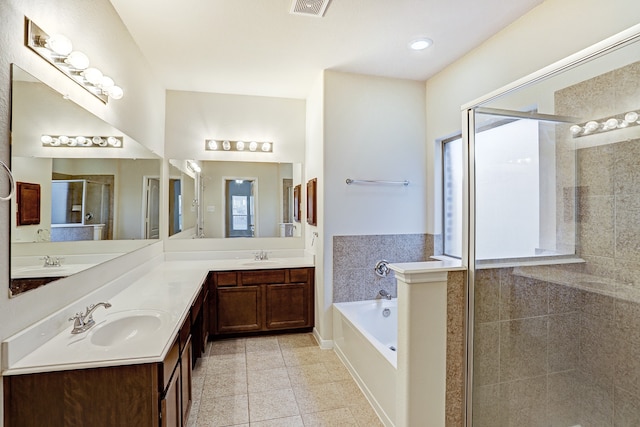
column 240, row 208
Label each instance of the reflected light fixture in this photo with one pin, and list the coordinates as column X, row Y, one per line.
column 57, row 49
column 226, row 145
column 81, row 141
column 592, row 127
column 193, row 166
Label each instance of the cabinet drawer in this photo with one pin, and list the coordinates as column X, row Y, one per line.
column 263, row 277
column 226, row 279
column 298, row 275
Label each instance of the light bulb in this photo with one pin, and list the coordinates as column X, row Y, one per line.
column 631, row 117
column 55, row 142
column 591, row 126
column 266, row 146
column 253, row 146
column 240, row 145
column 81, row 140
column 611, row 124
column 63, row 139
column 92, row 75
column 113, row 141
column 226, row 145
column 46, row 139
column 212, row 144
column 72, row 142
column 575, row 129
column 59, row 44
column 77, row 60
column 97, row 140
column 115, row 92
column 106, row 82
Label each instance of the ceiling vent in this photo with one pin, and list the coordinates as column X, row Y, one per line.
column 309, row 7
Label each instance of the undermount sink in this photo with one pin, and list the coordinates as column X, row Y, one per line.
column 261, row 262
column 127, row 326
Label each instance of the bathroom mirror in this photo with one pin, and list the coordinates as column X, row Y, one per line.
column 98, row 200
column 182, row 200
column 238, row 199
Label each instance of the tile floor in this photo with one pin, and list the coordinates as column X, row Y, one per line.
column 279, row 381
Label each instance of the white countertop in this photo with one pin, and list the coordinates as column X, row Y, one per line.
column 169, row 287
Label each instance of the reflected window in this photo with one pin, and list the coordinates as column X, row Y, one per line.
column 240, row 208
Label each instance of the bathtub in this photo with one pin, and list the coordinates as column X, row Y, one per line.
column 366, row 340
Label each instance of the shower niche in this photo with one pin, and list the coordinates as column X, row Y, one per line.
column 80, row 210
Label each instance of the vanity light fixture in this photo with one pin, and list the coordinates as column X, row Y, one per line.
column 58, row 51
column 619, row 121
column 81, row 141
column 225, row 145
column 193, row 166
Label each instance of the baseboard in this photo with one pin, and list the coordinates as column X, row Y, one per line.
column 324, row 344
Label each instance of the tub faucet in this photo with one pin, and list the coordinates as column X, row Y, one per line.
column 261, row 256
column 83, row 322
column 384, row 294
column 50, row 261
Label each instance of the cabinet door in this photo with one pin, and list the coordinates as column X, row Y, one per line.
column 170, row 403
column 238, row 309
column 185, row 379
column 288, row 306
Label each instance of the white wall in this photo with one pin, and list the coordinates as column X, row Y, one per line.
column 95, row 28
column 373, row 128
column 550, row 32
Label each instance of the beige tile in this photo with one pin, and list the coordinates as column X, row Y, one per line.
column 268, row 379
column 627, row 408
column 224, row 411
column 303, row 375
column 335, row 417
column 262, row 344
column 264, row 360
column 307, row 356
column 280, row 422
column 564, row 342
column 522, row 297
column 486, row 354
column 337, row 370
column 272, row 404
column 365, row 416
column 487, row 296
column 297, row 340
column 524, row 402
column 233, row 346
column 227, row 384
column 226, row 363
column 523, row 348
column 319, row 397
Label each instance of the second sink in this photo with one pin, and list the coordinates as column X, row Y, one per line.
column 128, row 326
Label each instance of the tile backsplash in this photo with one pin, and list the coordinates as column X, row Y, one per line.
column 354, row 258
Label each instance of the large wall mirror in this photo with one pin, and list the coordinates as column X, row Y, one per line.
column 230, row 199
column 98, row 189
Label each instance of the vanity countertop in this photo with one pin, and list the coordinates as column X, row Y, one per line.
column 168, row 288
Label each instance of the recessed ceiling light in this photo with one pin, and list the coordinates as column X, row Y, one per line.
column 420, row 44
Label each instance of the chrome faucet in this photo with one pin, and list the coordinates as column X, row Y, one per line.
column 384, row 294
column 83, row 322
column 261, row 256
column 50, row 261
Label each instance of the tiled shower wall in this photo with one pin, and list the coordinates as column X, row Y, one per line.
column 354, row 258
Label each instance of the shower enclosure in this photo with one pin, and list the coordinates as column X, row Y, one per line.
column 554, row 246
column 79, row 210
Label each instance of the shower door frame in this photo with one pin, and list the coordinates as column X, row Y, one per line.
column 468, row 110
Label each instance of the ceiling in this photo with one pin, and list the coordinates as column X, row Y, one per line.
column 256, row 47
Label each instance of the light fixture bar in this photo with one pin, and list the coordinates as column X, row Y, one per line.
column 238, row 146
column 82, row 141
column 592, row 127
column 58, row 51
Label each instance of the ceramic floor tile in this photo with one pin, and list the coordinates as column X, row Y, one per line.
column 318, row 398
column 272, row 404
column 280, row 422
column 333, row 418
column 307, row 356
column 226, row 363
column 302, row 375
column 268, row 379
column 337, row 370
column 262, row 344
column 225, row 384
column 264, row 360
column 227, row 347
column 297, row 340
column 224, row 411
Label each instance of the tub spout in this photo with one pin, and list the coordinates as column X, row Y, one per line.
column 384, row 294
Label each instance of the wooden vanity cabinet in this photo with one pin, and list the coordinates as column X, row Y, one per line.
column 261, row 301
